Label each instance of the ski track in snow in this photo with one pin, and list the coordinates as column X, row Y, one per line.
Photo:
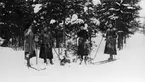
column 129, row 66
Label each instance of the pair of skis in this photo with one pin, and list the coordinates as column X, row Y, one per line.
column 37, row 69
column 104, row 61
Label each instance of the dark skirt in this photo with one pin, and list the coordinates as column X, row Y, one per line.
column 120, row 41
column 83, row 48
column 46, row 52
column 110, row 47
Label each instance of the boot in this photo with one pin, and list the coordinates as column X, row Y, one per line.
column 28, row 60
column 28, row 63
column 51, row 62
column 111, row 58
column 85, row 59
column 81, row 60
column 45, row 61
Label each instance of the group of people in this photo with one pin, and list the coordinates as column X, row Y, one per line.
column 45, row 39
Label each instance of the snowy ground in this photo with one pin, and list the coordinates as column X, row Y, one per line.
column 130, row 66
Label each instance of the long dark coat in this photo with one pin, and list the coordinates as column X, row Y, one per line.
column 120, row 40
column 83, row 46
column 46, row 46
column 110, row 47
column 29, row 44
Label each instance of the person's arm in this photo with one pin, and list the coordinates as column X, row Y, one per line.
column 27, row 32
column 87, row 35
column 51, row 40
column 107, row 34
column 40, row 37
column 115, row 34
column 36, row 38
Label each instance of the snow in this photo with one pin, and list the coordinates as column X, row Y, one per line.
column 96, row 2
column 37, row 7
column 129, row 66
column 142, row 11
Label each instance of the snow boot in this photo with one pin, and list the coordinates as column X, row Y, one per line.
column 51, row 62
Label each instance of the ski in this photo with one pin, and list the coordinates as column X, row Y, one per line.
column 37, row 69
column 107, row 61
column 104, row 61
column 33, row 68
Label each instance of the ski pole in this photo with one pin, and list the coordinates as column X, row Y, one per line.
column 36, row 51
column 98, row 48
column 56, row 54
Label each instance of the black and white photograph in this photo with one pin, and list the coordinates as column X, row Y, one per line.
column 72, row 40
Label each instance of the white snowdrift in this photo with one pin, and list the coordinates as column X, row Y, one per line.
column 129, row 67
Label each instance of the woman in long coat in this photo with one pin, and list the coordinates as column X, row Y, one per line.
column 46, row 46
column 83, row 45
column 110, row 47
column 29, row 45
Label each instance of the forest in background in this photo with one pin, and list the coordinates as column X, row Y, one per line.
column 64, row 18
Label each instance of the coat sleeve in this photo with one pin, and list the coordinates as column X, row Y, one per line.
column 115, row 34
column 40, row 38
column 107, row 34
column 51, row 40
column 26, row 33
column 87, row 35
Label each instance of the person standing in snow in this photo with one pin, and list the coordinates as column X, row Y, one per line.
column 110, row 47
column 83, row 44
column 29, row 45
column 46, row 45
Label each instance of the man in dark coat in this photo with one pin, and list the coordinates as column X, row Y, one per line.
column 110, row 47
column 29, row 45
column 46, row 46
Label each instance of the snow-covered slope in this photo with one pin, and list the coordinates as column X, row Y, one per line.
column 129, row 66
